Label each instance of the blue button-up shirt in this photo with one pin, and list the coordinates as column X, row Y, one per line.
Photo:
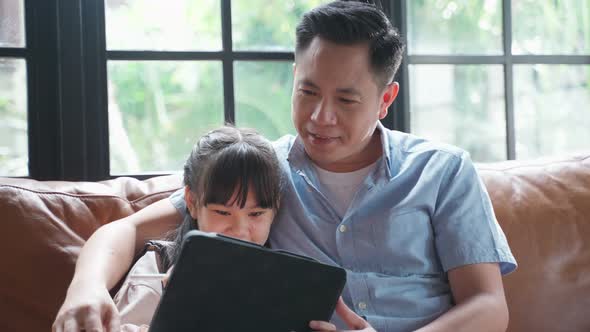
column 421, row 212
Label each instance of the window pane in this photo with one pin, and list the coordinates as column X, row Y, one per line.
column 263, row 97
column 14, row 155
column 455, row 27
column 461, row 105
column 551, row 27
column 179, row 25
column 552, row 109
column 12, row 23
column 267, row 25
column 158, row 109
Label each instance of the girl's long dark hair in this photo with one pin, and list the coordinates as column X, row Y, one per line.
column 225, row 161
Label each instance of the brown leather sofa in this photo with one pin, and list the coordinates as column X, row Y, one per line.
column 543, row 207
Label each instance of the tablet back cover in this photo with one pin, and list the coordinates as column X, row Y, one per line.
column 223, row 284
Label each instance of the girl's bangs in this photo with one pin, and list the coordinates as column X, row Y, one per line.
column 234, row 171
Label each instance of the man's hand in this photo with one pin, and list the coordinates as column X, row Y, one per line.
column 354, row 321
column 89, row 308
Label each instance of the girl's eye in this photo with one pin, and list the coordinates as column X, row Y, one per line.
column 222, row 213
column 256, row 214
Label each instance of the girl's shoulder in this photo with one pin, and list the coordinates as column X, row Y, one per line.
column 157, row 252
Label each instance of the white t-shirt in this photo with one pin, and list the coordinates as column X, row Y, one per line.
column 340, row 188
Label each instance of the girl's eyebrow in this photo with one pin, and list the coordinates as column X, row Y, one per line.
column 246, row 207
column 257, row 206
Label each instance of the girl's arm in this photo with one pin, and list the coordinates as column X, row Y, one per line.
column 103, row 261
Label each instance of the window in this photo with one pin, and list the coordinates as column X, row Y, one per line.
column 501, row 79
column 13, row 90
column 96, row 89
column 173, row 77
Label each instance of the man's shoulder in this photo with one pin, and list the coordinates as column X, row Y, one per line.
column 282, row 146
column 403, row 146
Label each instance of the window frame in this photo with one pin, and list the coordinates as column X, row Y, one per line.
column 67, row 81
column 507, row 60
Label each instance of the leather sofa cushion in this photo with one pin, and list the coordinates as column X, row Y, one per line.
column 543, row 207
column 43, row 227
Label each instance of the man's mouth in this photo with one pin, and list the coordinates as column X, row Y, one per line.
column 322, row 139
column 321, row 136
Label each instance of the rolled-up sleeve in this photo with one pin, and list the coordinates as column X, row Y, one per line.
column 465, row 227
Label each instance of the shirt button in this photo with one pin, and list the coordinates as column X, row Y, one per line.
column 362, row 305
column 342, row 228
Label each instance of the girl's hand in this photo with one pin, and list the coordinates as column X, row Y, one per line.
column 354, row 321
column 166, row 277
column 134, row 328
column 87, row 307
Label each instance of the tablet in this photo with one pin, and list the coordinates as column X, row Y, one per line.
column 225, row 284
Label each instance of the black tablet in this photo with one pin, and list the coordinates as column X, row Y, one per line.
column 224, row 284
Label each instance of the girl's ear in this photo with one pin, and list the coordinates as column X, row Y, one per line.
column 190, row 201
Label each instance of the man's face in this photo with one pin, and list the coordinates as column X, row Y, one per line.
column 337, row 103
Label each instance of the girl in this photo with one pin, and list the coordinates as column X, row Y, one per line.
column 231, row 187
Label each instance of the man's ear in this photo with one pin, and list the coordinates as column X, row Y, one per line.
column 190, row 201
column 387, row 97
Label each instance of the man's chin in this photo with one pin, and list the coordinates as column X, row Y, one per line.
column 321, row 158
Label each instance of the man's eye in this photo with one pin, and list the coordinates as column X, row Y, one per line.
column 347, row 101
column 307, row 92
column 220, row 212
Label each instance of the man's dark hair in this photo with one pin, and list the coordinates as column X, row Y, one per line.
column 351, row 22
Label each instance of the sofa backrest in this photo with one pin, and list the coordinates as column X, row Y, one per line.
column 543, row 207
column 43, row 227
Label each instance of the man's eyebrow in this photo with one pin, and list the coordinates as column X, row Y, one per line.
column 309, row 83
column 349, row 91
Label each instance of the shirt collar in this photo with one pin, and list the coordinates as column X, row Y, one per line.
column 299, row 160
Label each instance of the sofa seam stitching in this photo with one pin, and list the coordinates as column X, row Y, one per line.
column 85, row 196
column 532, row 165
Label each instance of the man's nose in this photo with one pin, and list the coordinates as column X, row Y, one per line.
column 324, row 113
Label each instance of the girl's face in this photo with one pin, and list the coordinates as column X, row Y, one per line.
column 251, row 223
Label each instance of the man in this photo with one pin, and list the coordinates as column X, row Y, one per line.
column 409, row 219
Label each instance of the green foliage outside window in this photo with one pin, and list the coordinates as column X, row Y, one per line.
column 158, row 108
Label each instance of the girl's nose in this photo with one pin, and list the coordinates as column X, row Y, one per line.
column 240, row 230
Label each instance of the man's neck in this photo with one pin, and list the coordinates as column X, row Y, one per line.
column 367, row 156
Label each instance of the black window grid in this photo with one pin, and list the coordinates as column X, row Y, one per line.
column 67, row 102
column 507, row 60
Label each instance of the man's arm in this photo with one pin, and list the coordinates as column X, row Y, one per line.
column 104, row 259
column 480, row 302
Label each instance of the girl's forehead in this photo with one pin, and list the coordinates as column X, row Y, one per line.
column 238, row 197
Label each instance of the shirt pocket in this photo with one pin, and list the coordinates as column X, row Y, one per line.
column 404, row 242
